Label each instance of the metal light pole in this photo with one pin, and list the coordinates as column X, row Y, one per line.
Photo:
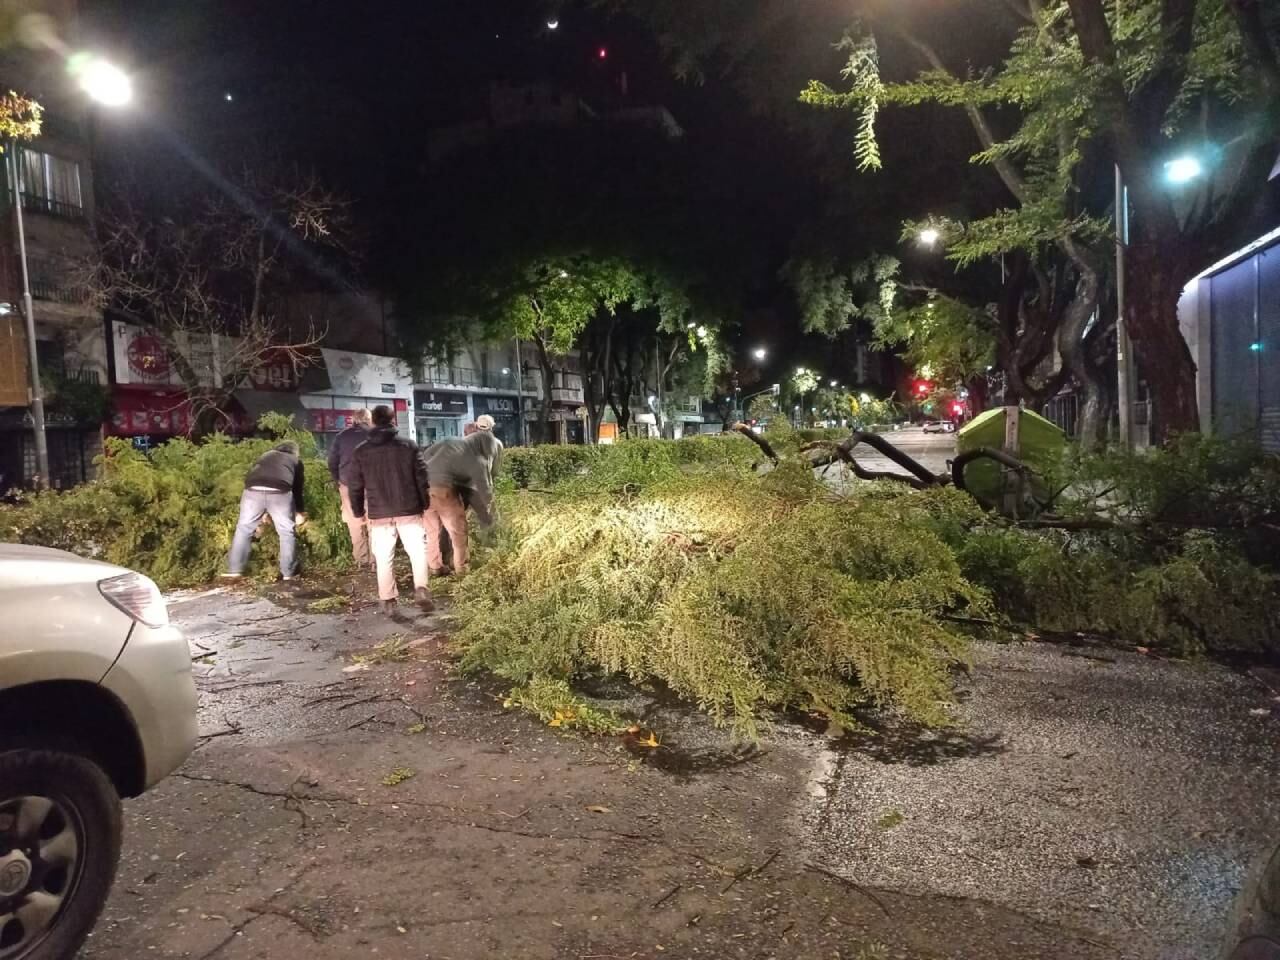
column 28, row 316
column 521, row 427
column 1124, row 350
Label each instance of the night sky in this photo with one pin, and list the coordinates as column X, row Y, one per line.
column 353, row 90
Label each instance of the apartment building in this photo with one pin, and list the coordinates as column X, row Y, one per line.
column 504, row 381
column 55, row 189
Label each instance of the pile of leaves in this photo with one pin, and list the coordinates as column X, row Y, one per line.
column 170, row 513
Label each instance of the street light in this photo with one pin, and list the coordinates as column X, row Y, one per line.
column 1183, row 169
column 108, row 85
column 929, row 236
column 104, row 82
column 759, row 353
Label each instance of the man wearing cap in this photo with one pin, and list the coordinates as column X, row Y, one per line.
column 461, row 472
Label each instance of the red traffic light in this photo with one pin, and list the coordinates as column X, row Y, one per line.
column 957, row 408
column 923, row 387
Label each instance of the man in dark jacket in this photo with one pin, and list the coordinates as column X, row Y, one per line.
column 388, row 481
column 273, row 486
column 340, row 461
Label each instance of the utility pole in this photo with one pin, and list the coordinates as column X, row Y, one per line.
column 521, row 426
column 33, row 356
column 1124, row 349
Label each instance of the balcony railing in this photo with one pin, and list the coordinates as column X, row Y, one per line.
column 480, row 379
column 567, row 394
column 56, row 208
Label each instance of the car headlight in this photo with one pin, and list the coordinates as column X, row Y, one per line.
column 138, row 597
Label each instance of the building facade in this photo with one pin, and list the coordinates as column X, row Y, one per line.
column 1230, row 318
column 54, row 186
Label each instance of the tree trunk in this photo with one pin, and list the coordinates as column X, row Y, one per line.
column 1154, row 275
column 1071, row 346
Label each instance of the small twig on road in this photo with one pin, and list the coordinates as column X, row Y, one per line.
column 332, row 696
column 404, row 702
column 372, row 718
column 356, row 703
column 247, row 683
column 232, row 728
column 750, row 872
column 849, row 883
column 515, row 816
column 667, row 896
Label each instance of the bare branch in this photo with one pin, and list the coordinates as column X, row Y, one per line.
column 1008, row 173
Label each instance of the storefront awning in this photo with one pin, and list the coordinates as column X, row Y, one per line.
column 257, row 402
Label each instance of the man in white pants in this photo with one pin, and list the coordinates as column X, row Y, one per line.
column 388, row 482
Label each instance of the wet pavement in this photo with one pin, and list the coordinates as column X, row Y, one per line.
column 351, row 797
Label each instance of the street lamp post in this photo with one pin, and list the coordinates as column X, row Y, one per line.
column 1124, row 351
column 110, row 86
column 29, row 320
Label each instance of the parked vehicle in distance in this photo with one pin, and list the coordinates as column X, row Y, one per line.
column 97, row 702
column 939, row 426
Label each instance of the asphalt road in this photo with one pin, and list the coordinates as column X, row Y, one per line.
column 1096, row 805
column 933, row 450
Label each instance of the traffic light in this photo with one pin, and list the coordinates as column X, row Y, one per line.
column 957, row 408
column 923, row 388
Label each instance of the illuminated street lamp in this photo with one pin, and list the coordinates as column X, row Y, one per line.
column 110, row 86
column 1183, row 169
column 929, row 237
column 759, row 353
column 104, row 82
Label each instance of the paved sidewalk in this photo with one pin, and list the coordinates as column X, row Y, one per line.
column 393, row 810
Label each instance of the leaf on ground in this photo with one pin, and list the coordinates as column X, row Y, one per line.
column 398, row 776
column 416, row 728
column 596, row 808
column 650, row 741
column 890, row 820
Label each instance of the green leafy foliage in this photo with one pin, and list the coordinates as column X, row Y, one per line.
column 742, row 593
column 170, row 514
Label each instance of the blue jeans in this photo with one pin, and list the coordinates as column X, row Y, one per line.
column 253, row 505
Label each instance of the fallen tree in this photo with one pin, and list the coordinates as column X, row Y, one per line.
column 748, row 584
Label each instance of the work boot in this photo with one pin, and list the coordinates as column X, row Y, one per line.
column 423, row 599
column 389, row 607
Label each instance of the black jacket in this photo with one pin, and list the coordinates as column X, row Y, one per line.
column 387, row 470
column 278, row 470
column 344, row 448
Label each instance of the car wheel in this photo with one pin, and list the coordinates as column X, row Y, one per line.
column 59, row 846
column 1255, row 930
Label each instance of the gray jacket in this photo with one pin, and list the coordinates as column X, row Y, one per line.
column 467, row 464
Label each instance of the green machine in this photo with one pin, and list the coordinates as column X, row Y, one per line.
column 1040, row 445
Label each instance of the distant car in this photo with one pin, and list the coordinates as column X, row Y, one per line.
column 97, row 702
column 939, row 426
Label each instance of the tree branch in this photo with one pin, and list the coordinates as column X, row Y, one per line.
column 1259, row 47
column 1008, row 173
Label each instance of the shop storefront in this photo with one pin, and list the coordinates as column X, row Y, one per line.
column 506, row 412
column 440, row 414
column 358, row 381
